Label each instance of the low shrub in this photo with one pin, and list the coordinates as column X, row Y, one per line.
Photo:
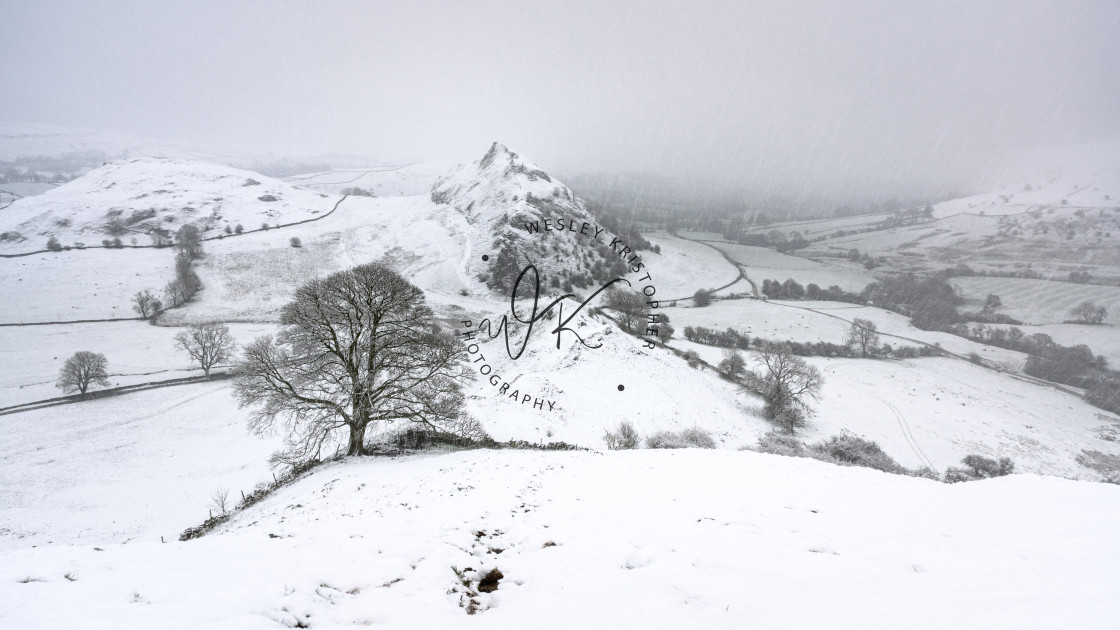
column 780, row 443
column 980, row 467
column 852, row 450
column 925, row 472
column 624, row 438
column 692, row 357
column 693, row 437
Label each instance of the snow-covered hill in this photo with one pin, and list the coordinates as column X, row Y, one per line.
column 1100, row 189
column 135, row 199
column 630, row 540
column 24, row 140
column 522, row 215
column 1050, row 225
column 381, row 181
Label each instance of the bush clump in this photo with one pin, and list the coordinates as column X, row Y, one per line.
column 780, row 443
column 851, row 450
column 693, row 437
column 624, row 438
column 847, row 449
column 980, row 467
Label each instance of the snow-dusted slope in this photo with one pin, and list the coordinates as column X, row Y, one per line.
column 132, row 199
column 23, row 140
column 249, row 278
column 520, row 215
column 624, row 540
column 584, row 390
column 1099, row 189
column 382, row 181
column 1049, row 225
column 134, row 467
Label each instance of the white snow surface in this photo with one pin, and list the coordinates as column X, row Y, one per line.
column 405, row 180
column 145, row 194
column 124, row 468
column 621, row 540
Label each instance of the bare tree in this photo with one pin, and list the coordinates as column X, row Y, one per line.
column 702, row 298
column 189, row 240
column 357, row 348
column 863, row 337
column 186, row 282
column 146, row 304
column 83, row 370
column 208, row 344
column 788, row 385
column 219, row 500
column 176, row 293
column 1089, row 313
column 631, row 306
column 733, row 365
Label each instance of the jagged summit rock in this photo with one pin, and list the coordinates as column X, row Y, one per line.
column 523, row 216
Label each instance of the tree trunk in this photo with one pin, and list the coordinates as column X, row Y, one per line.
column 357, row 441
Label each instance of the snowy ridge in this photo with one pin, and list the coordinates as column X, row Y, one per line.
column 135, row 198
column 508, row 201
column 639, row 539
column 1067, row 192
column 383, row 181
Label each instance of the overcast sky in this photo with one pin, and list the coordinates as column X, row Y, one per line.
column 825, row 95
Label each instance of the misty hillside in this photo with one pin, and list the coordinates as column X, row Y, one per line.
column 525, row 217
column 735, row 315
column 926, row 413
column 139, row 201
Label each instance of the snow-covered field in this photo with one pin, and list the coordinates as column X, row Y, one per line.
column 30, row 357
column 1103, row 340
column 124, row 468
column 625, row 539
column 766, row 264
column 1038, row 301
column 684, row 266
column 807, row 321
column 79, row 285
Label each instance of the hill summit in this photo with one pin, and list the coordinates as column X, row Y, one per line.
column 140, row 201
column 529, row 217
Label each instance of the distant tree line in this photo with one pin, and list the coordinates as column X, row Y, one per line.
column 962, row 270
column 862, row 341
column 792, row 290
column 774, row 239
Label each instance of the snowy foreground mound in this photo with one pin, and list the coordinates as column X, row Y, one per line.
column 641, row 539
